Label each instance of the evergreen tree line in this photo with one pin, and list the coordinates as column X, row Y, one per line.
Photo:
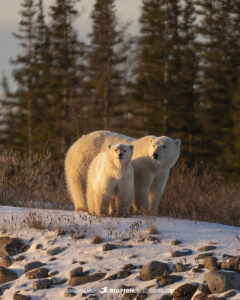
column 180, row 77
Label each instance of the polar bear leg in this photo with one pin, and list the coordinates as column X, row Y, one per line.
column 140, row 203
column 124, row 201
column 156, row 191
column 76, row 191
column 102, row 204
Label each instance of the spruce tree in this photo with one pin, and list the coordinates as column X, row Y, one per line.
column 64, row 77
column 104, row 87
column 218, row 81
column 158, row 65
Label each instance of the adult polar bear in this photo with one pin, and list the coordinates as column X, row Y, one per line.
column 152, row 159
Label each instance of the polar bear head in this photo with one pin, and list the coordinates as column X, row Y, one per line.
column 164, row 150
column 121, row 153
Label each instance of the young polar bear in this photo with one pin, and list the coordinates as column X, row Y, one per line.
column 152, row 159
column 110, row 183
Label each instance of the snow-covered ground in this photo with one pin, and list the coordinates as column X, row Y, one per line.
column 139, row 249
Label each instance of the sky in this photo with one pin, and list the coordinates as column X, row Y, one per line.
column 127, row 11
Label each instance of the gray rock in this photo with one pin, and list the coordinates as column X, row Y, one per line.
column 112, row 277
column 196, row 270
column 233, row 264
column 204, row 255
column 19, row 258
column 53, row 273
column 4, row 287
column 153, row 269
column 37, row 273
column 210, row 263
column 54, row 251
column 200, row 296
column 123, row 274
column 52, row 258
column 179, row 267
column 12, row 246
column 183, row 252
column 42, row 284
column 33, row 265
column 129, row 267
column 206, row 248
column 167, row 279
column 186, row 290
column 76, row 272
column 58, row 280
column 6, row 261
column 175, row 242
column 85, row 279
column 18, row 296
column 222, row 281
column 230, row 294
column 108, row 247
column 7, row 275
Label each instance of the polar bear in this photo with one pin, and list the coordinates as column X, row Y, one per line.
column 152, row 159
column 110, row 183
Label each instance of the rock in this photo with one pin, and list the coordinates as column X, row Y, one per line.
column 18, row 296
column 97, row 239
column 7, row 275
column 179, row 267
column 183, row 252
column 129, row 267
column 196, row 270
column 204, row 255
column 108, row 247
column 58, row 280
column 204, row 288
column 232, row 264
column 19, row 258
column 6, row 261
column 12, row 246
column 165, row 297
column 38, row 246
column 167, row 279
column 112, row 277
column 128, row 292
column 153, row 269
column 210, row 263
column 123, row 274
column 206, row 248
column 37, row 273
column 227, row 256
column 230, row 294
column 54, row 251
column 70, row 292
column 53, row 273
column 186, row 290
column 175, row 242
column 200, row 296
column 76, row 272
column 52, row 258
column 33, row 265
column 78, row 236
column 42, row 284
column 222, row 281
column 85, row 279
column 4, row 287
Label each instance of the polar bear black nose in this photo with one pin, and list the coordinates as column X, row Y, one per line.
column 155, row 155
column 120, row 155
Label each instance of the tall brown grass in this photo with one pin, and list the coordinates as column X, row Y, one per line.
column 192, row 193
column 199, row 194
column 31, row 181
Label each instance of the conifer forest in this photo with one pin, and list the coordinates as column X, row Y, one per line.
column 180, row 76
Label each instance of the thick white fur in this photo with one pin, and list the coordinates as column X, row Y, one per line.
column 150, row 175
column 110, row 182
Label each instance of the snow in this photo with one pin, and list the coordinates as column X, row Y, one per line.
column 14, row 222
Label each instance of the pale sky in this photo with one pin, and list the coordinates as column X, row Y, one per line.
column 127, row 10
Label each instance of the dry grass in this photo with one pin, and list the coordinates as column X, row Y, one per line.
column 191, row 193
column 199, row 194
column 31, row 181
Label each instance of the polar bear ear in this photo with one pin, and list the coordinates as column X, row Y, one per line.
column 178, row 142
column 109, row 146
column 131, row 147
